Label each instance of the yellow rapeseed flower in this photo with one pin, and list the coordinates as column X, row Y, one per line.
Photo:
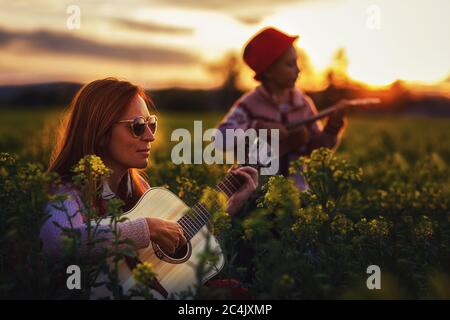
column 91, row 165
column 144, row 273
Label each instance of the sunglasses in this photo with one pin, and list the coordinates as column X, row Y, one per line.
column 139, row 124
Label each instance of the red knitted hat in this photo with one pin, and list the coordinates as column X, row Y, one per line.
column 265, row 48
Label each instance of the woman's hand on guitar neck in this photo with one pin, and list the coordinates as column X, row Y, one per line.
column 337, row 119
column 167, row 234
column 237, row 200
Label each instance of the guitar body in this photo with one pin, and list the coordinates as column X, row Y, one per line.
column 176, row 273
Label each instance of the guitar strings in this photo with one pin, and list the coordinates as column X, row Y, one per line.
column 192, row 223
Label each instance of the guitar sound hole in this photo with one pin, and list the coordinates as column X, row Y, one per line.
column 180, row 253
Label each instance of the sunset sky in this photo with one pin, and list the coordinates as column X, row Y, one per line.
column 159, row 43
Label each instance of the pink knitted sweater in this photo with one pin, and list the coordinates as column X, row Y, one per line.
column 70, row 214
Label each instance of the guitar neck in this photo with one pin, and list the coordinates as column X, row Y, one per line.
column 199, row 215
column 328, row 111
column 314, row 118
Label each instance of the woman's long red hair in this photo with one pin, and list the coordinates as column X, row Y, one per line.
column 88, row 126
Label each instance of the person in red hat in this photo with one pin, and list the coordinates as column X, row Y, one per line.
column 277, row 102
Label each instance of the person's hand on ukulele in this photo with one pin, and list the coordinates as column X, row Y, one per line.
column 295, row 139
column 250, row 177
column 337, row 119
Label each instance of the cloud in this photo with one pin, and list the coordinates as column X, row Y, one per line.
column 226, row 5
column 152, row 27
column 66, row 44
column 250, row 19
column 5, row 37
column 246, row 12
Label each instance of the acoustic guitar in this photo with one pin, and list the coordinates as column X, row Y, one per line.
column 176, row 273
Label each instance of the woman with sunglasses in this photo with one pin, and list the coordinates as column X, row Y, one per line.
column 111, row 119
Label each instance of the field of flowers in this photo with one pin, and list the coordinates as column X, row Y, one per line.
column 382, row 199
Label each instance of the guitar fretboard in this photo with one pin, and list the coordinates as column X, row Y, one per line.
column 199, row 215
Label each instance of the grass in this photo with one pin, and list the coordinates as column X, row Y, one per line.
column 31, row 134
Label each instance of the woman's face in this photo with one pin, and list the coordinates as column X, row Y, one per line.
column 124, row 150
column 284, row 72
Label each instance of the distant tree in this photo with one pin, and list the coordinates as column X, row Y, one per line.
column 337, row 72
column 448, row 78
column 228, row 69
